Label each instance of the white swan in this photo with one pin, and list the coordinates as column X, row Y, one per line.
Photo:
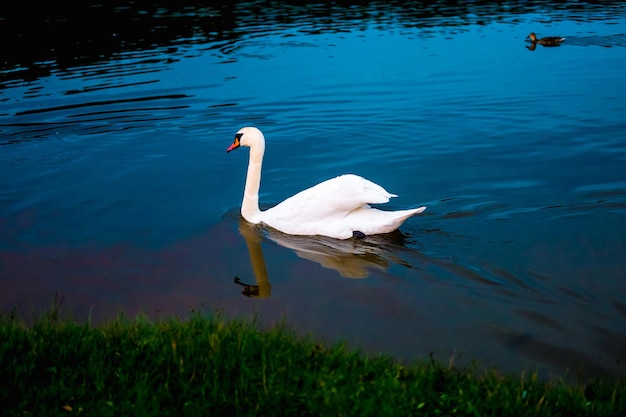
column 337, row 208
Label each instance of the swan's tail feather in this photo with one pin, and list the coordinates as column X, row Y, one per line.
column 395, row 219
column 402, row 215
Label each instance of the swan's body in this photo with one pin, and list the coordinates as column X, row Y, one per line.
column 338, row 207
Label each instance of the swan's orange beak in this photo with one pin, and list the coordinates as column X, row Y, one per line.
column 235, row 144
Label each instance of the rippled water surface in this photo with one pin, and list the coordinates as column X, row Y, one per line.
column 116, row 192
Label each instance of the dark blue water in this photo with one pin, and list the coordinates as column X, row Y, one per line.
column 116, row 192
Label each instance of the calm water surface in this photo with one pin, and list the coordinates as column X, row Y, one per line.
column 116, row 192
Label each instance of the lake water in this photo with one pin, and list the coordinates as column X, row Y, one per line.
column 117, row 195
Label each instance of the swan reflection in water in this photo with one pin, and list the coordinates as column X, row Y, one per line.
column 352, row 258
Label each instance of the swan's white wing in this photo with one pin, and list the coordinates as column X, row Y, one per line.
column 331, row 199
column 337, row 208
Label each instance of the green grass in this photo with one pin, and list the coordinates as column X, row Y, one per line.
column 209, row 366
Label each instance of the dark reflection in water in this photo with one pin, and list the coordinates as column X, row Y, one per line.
column 69, row 34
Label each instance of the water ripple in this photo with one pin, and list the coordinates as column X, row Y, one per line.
column 101, row 103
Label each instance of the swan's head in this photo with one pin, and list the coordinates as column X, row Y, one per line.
column 250, row 137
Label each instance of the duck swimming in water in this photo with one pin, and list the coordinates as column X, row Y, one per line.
column 547, row 41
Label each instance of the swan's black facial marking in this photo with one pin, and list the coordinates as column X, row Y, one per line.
column 236, row 142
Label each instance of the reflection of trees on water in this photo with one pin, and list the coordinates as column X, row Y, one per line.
column 78, row 33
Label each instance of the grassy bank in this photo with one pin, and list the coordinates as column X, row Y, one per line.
column 210, row 366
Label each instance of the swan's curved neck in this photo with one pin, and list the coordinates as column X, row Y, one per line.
column 250, row 205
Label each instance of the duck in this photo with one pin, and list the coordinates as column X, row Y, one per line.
column 338, row 208
column 547, row 41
